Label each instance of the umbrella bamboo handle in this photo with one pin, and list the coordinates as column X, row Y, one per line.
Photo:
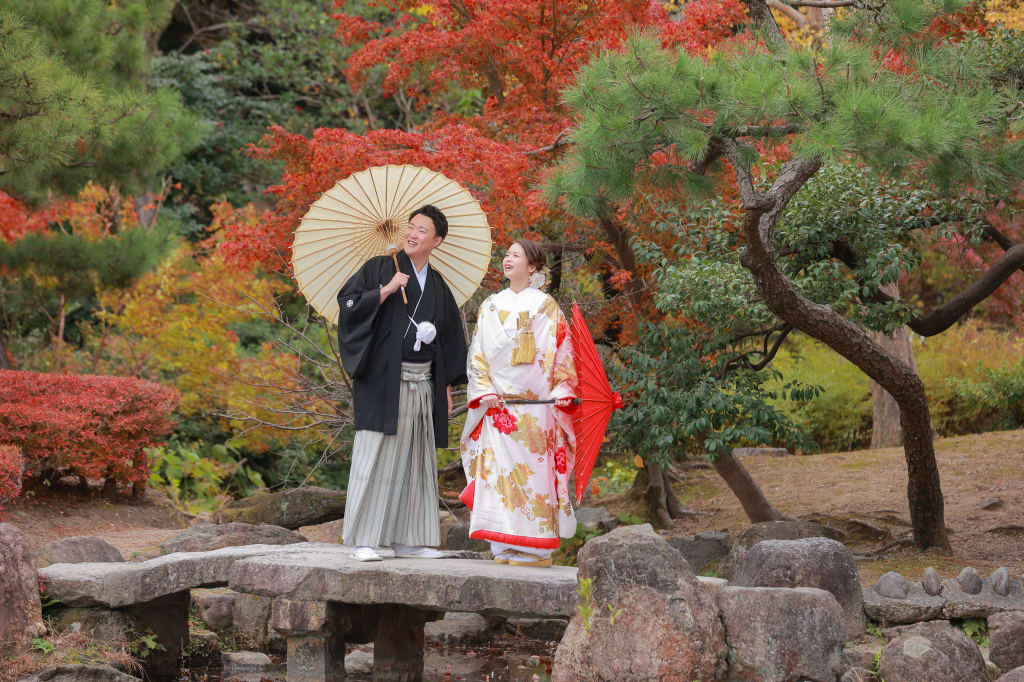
column 394, row 257
column 524, row 401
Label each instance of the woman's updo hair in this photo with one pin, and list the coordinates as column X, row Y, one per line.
column 534, row 254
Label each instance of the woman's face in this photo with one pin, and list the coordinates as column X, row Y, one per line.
column 515, row 265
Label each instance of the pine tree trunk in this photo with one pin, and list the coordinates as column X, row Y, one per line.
column 885, row 418
column 745, row 488
column 924, row 491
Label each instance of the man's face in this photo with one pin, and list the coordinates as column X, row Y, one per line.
column 420, row 237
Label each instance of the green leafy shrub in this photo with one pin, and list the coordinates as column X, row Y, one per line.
column 839, row 418
column 972, row 376
column 200, row 478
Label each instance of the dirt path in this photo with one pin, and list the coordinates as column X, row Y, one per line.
column 132, row 526
column 866, row 491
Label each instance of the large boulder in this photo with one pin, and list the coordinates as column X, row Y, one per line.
column 292, row 509
column 21, row 617
column 595, row 518
column 701, row 550
column 811, row 562
column 649, row 619
column 931, row 652
column 80, row 673
column 792, row 529
column 1015, row 675
column 204, row 537
column 1006, row 639
column 77, row 550
column 456, row 628
column 215, row 608
column 780, row 634
column 458, row 538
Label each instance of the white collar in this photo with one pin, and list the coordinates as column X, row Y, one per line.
column 421, row 275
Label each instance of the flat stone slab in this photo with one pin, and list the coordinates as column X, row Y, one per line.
column 952, row 602
column 438, row 584
column 917, row 606
column 115, row 585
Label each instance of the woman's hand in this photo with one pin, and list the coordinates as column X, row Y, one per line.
column 491, row 402
column 564, row 402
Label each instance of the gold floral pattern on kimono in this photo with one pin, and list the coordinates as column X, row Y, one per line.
column 518, row 494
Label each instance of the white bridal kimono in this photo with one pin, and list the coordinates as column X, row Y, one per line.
column 518, row 474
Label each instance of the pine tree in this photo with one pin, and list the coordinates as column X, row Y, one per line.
column 889, row 90
column 74, row 98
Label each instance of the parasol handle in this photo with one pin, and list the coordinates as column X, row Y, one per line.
column 524, row 401
column 394, row 256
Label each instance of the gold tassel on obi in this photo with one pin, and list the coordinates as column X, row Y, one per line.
column 526, row 347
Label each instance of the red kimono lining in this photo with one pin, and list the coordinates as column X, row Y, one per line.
column 521, row 540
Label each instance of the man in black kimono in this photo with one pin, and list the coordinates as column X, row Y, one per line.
column 403, row 359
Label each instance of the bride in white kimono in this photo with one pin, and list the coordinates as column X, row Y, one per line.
column 518, row 458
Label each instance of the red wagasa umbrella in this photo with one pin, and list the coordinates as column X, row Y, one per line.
column 596, row 398
column 595, row 401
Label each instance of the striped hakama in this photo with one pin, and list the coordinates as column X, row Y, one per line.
column 392, row 484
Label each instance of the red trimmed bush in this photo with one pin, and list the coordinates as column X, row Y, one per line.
column 95, row 426
column 11, row 467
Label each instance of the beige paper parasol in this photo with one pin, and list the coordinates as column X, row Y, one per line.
column 368, row 211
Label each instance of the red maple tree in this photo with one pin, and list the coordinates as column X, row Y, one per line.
column 94, row 426
column 520, row 56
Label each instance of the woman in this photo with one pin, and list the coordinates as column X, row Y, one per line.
column 518, row 458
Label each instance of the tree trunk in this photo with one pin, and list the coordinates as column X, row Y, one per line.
column 661, row 505
column 762, row 211
column 745, row 488
column 885, row 419
column 762, row 18
column 60, row 321
column 5, row 361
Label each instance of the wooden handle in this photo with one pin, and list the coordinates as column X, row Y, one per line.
column 524, row 401
column 394, row 257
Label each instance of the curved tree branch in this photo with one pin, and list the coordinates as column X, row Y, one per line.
column 947, row 315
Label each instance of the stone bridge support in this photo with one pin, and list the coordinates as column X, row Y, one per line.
column 317, row 632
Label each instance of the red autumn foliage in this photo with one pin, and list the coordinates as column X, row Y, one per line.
column 92, row 425
column 17, row 220
column 519, row 54
column 12, row 465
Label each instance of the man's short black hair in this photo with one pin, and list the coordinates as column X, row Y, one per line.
column 435, row 215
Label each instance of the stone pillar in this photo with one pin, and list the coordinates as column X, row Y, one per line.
column 398, row 650
column 316, row 641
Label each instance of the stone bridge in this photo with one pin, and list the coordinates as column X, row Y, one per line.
column 322, row 599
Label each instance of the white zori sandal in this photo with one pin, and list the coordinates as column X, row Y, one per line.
column 365, row 554
column 411, row 552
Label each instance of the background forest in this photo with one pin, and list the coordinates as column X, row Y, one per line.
column 155, row 157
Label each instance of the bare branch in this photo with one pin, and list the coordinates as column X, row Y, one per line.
column 560, row 140
column 801, row 20
column 824, row 4
column 947, row 315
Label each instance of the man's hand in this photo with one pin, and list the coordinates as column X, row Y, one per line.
column 451, row 405
column 491, row 401
column 397, row 282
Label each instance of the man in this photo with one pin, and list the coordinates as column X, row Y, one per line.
column 402, row 378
